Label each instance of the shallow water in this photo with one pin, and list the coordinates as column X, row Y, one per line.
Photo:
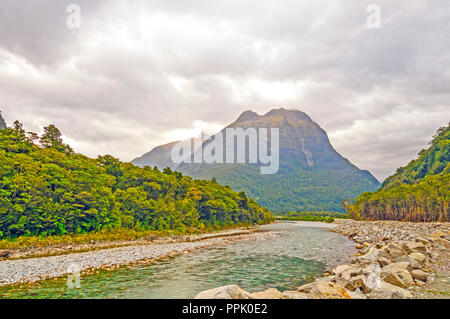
column 290, row 257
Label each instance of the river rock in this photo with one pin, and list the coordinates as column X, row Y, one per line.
column 340, row 269
column 419, row 257
column 401, row 277
column 424, row 241
column 224, row 292
column 271, row 293
column 419, row 274
column 357, row 282
column 329, row 290
column 403, row 265
column 413, row 264
column 395, row 251
column 372, row 256
column 412, row 246
column 293, row 295
column 306, row 288
column 385, row 290
column 4, row 253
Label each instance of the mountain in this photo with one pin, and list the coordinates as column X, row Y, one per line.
column 418, row 192
column 2, row 122
column 312, row 175
column 160, row 157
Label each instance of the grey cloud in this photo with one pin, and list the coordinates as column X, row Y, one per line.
column 134, row 72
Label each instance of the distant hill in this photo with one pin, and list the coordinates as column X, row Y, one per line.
column 419, row 191
column 160, row 157
column 312, row 175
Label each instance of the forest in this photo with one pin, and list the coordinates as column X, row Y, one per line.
column 418, row 192
column 47, row 189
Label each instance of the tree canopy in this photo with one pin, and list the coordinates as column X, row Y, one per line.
column 47, row 189
column 419, row 191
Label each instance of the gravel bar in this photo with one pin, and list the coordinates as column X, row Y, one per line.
column 35, row 269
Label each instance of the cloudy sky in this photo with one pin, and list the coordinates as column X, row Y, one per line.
column 134, row 76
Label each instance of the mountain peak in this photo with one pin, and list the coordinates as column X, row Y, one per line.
column 289, row 114
column 246, row 116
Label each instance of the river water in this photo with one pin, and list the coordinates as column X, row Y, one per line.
column 293, row 254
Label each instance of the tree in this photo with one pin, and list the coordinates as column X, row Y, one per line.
column 52, row 138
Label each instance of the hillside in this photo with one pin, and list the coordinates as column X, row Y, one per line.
column 159, row 156
column 419, row 191
column 47, row 189
column 312, row 174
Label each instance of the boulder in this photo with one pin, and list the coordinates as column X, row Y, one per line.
column 401, row 278
column 384, row 261
column 340, row 269
column 293, row 295
column 419, row 274
column 329, row 290
column 306, row 288
column 413, row 246
column 412, row 263
column 349, row 273
column 224, row 292
column 423, row 240
column 403, row 265
column 419, row 257
column 372, row 256
column 385, row 290
column 4, row 253
column 357, row 282
column 271, row 293
column 395, row 251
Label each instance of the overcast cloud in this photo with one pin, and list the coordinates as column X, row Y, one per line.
column 136, row 75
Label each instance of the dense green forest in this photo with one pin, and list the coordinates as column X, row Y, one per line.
column 419, row 191
column 48, row 189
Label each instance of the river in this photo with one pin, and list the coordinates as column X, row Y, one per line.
column 294, row 254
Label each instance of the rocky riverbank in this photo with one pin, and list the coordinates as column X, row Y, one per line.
column 395, row 260
column 28, row 270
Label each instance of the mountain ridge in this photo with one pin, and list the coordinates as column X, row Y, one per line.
column 312, row 174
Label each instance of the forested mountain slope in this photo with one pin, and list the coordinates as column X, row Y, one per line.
column 419, row 191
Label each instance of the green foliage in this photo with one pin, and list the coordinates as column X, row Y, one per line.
column 49, row 190
column 419, row 191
